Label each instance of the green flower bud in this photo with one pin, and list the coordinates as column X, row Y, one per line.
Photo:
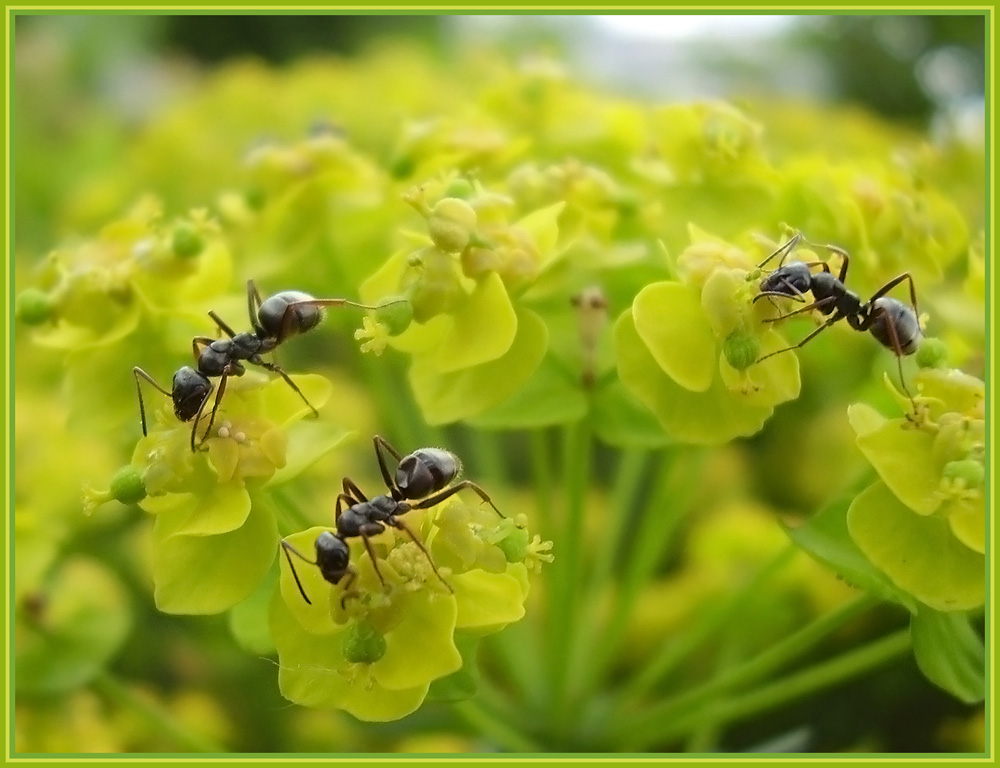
column 741, row 349
column 362, row 643
column 395, row 313
column 514, row 545
column 932, row 353
column 451, row 224
column 969, row 471
column 127, row 485
column 187, row 243
column 461, row 188
column 34, row 307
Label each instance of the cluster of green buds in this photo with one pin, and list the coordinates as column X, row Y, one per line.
column 688, row 347
column 94, row 293
column 472, row 347
column 378, row 643
column 215, row 527
column 923, row 523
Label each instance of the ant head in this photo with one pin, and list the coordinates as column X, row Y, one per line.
column 280, row 316
column 189, row 391
column 332, row 556
column 895, row 325
column 425, row 471
column 791, row 279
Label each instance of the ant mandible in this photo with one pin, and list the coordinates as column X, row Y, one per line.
column 892, row 323
column 274, row 320
column 422, row 480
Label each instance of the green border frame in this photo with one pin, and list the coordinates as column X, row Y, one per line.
column 13, row 11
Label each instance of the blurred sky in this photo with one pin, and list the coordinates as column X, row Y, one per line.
column 905, row 66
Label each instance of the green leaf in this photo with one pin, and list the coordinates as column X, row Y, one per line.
column 825, row 537
column 312, row 440
column 483, row 327
column 84, row 622
column 224, row 509
column 918, row 553
column 210, row 574
column 419, row 646
column 487, row 602
column 551, row 396
column 968, row 522
column 712, row 417
column 464, row 683
column 669, row 319
column 446, row 398
column 248, row 621
column 312, row 672
column 950, row 653
column 904, row 459
column 542, row 226
column 621, row 420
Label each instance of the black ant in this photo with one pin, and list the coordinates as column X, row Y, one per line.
column 274, row 320
column 893, row 324
column 422, row 480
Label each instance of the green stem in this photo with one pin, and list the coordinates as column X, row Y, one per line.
column 624, row 497
column 161, row 722
column 753, row 670
column 819, row 677
column 672, row 655
column 652, row 534
column 563, row 613
column 492, row 727
column 286, row 511
column 542, row 473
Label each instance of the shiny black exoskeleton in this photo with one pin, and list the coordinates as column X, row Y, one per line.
column 423, row 472
column 422, row 479
column 357, row 515
column 274, row 320
column 891, row 322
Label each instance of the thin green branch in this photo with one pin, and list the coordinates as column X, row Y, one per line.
column 752, row 671
column 494, row 728
column 784, row 691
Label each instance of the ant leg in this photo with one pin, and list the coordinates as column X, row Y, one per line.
column 351, row 490
column 784, row 249
column 137, row 372
column 892, row 284
column 286, row 316
column 256, row 360
column 897, row 350
column 371, row 554
column 289, row 548
column 380, row 445
column 221, row 325
column 253, row 303
column 808, row 308
column 198, row 342
column 344, row 499
column 802, row 343
column 349, row 579
column 397, row 523
column 437, row 498
column 211, row 419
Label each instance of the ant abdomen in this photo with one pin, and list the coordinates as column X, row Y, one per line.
column 895, row 325
column 426, row 471
column 301, row 318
